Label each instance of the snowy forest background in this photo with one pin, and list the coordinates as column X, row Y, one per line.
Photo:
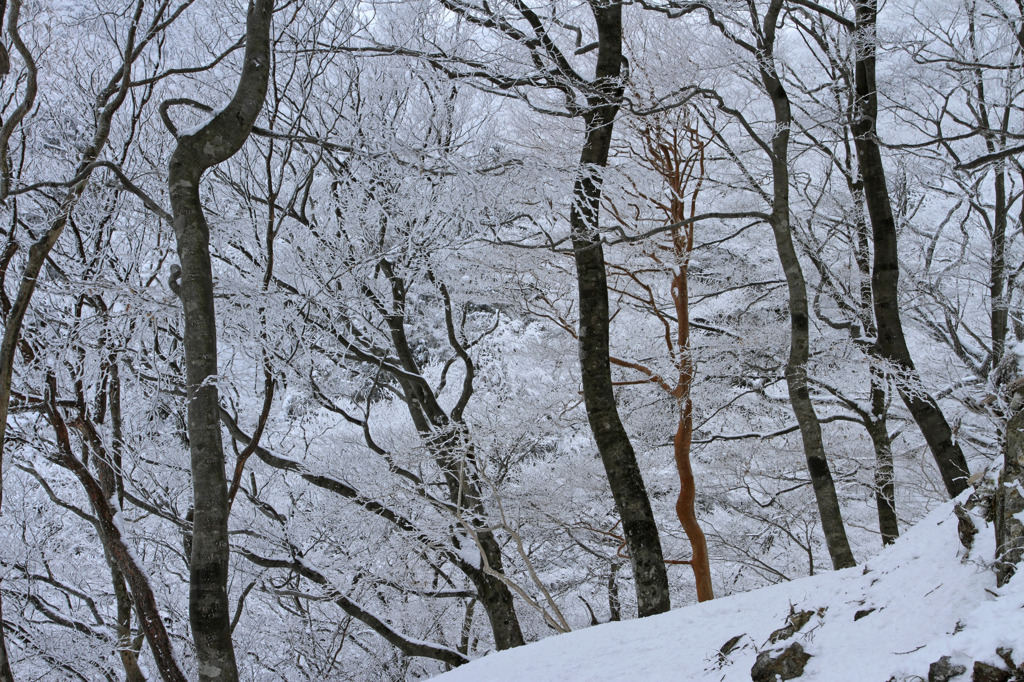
column 399, row 248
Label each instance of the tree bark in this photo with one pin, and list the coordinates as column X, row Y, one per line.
column 1010, row 503
column 197, row 151
column 6, row 675
column 891, row 342
column 682, row 442
column 621, row 467
column 885, row 476
column 799, row 327
column 877, row 422
column 447, row 438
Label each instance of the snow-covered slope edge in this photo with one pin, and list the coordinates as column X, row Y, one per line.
column 929, row 601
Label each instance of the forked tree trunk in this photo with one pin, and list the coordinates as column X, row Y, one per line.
column 891, row 343
column 620, row 463
column 108, row 476
column 196, row 152
column 446, row 437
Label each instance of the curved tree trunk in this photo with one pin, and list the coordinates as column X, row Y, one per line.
column 107, row 104
column 621, row 467
column 108, row 476
column 683, row 440
column 446, row 437
column 197, row 151
column 891, row 343
column 799, row 348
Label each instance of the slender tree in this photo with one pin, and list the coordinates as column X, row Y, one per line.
column 764, row 27
column 891, row 342
column 196, row 152
column 673, row 146
column 596, row 102
column 613, row 442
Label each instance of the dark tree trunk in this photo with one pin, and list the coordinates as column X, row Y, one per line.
column 995, row 141
column 213, row 143
column 997, row 271
column 877, row 422
column 107, row 104
column 621, row 467
column 891, row 343
column 108, row 478
column 799, row 325
column 6, row 675
column 497, row 598
column 447, row 438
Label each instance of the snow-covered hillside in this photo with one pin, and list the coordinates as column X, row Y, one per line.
column 916, row 602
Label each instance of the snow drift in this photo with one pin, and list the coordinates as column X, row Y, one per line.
column 916, row 602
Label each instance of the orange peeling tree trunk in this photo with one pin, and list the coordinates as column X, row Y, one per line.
column 673, row 147
column 667, row 158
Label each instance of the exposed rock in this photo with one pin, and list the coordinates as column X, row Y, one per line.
column 944, row 670
column 787, row 665
column 965, row 528
column 728, row 648
column 730, row 645
column 1008, row 656
column 983, row 672
column 794, row 621
column 863, row 612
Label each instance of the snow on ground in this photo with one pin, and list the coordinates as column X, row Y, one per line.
column 929, row 601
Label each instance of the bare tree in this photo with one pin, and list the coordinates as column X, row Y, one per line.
column 763, row 27
column 673, row 146
column 595, row 102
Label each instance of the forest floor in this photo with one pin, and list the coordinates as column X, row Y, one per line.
column 890, row 619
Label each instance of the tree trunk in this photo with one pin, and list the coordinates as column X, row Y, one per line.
column 1010, row 503
column 885, row 485
column 107, row 105
column 621, row 467
column 997, row 270
column 799, row 318
column 197, row 151
column 447, row 438
column 891, row 343
column 877, row 423
column 682, row 248
column 496, row 597
column 685, row 504
column 108, row 476
column 6, row 675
